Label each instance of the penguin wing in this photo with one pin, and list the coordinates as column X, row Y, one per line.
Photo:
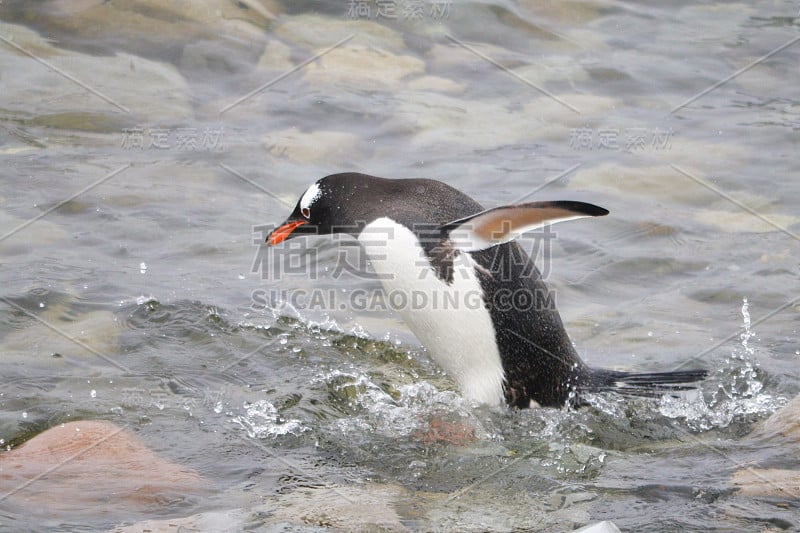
column 503, row 224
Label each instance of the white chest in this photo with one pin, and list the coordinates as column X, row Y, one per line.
column 450, row 320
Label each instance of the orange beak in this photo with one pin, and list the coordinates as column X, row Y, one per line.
column 282, row 233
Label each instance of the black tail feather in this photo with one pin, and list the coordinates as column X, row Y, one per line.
column 647, row 385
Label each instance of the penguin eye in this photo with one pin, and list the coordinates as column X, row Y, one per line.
column 306, row 212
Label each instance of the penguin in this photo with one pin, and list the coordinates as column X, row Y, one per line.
column 490, row 321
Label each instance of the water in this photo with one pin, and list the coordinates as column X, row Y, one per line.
column 137, row 180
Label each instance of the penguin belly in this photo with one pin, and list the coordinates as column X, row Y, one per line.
column 450, row 320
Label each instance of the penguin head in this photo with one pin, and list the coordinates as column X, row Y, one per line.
column 325, row 208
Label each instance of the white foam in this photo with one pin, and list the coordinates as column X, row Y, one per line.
column 261, row 420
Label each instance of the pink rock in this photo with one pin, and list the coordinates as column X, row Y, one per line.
column 81, row 464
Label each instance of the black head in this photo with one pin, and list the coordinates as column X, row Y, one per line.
column 329, row 206
column 345, row 203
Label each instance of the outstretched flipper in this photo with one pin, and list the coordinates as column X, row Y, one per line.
column 503, row 224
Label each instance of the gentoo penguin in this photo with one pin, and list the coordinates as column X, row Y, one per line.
column 423, row 236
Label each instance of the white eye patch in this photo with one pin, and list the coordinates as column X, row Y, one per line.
column 310, row 196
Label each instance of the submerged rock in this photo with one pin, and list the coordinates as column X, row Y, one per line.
column 450, row 57
column 277, row 56
column 87, row 336
column 768, row 482
column 75, row 91
column 19, row 236
column 438, row 120
column 83, row 464
column 645, row 182
column 370, row 507
column 313, row 147
column 364, row 68
column 231, row 521
column 785, row 421
column 735, row 220
column 437, row 84
column 559, row 109
column 315, row 32
column 145, row 27
column 566, row 12
column 774, row 482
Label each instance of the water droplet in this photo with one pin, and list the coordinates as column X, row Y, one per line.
column 142, row 267
column 747, row 333
column 93, row 394
column 283, row 340
column 649, row 333
column 24, row 414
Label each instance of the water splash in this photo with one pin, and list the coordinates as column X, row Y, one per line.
column 739, row 390
column 262, row 420
column 747, row 333
column 397, row 412
column 142, row 300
